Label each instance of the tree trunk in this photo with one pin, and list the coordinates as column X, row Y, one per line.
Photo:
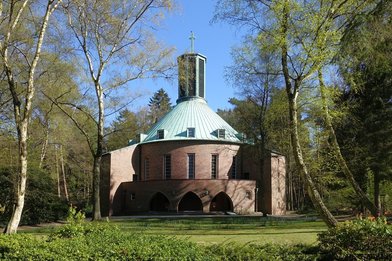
column 336, row 150
column 376, row 180
column 44, row 147
column 98, row 155
column 96, row 184
column 20, row 192
column 63, row 174
column 297, row 151
column 57, row 172
column 292, row 95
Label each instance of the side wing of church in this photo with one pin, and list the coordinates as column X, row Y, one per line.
column 192, row 160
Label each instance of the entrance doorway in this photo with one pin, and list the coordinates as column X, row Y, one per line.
column 159, row 202
column 221, row 202
column 190, row 202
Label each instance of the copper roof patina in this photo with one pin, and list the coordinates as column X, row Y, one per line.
column 192, row 112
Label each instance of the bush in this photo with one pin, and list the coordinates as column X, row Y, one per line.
column 230, row 251
column 80, row 240
column 41, row 201
column 363, row 239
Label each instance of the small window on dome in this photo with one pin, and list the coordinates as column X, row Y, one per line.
column 161, row 134
column 221, row 133
column 191, row 132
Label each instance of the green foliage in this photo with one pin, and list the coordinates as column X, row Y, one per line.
column 263, row 252
column 41, row 201
column 159, row 105
column 124, row 128
column 98, row 242
column 363, row 239
column 101, row 241
column 76, row 225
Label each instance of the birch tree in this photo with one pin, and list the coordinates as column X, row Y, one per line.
column 15, row 46
column 301, row 34
column 113, row 40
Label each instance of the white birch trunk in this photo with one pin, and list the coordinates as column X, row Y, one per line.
column 22, row 118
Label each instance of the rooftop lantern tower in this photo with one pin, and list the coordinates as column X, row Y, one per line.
column 191, row 74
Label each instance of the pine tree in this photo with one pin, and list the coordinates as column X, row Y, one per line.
column 159, row 105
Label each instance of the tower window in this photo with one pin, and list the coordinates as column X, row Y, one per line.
column 191, row 166
column 146, row 168
column 201, row 77
column 192, row 76
column 234, row 168
column 214, row 166
column 167, row 166
column 191, row 132
column 161, row 134
column 221, row 133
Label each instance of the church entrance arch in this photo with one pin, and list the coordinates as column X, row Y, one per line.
column 159, row 202
column 190, row 202
column 221, row 202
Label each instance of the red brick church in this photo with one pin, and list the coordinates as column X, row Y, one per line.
column 192, row 160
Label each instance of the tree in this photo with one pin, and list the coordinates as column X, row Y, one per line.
column 304, row 35
column 16, row 47
column 366, row 67
column 281, row 35
column 125, row 127
column 110, row 35
column 159, row 105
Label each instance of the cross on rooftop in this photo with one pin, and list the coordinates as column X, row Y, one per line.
column 192, row 38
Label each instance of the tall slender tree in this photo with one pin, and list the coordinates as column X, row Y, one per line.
column 110, row 35
column 17, row 47
column 365, row 64
column 304, row 35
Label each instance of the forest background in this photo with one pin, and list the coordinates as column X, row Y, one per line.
column 60, row 80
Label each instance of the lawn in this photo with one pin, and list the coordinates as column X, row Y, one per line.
column 207, row 230
column 211, row 230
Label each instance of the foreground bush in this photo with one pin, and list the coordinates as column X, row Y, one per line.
column 80, row 240
column 230, row 251
column 107, row 243
column 111, row 244
column 358, row 240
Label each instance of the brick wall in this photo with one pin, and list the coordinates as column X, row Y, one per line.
column 179, row 152
column 136, row 196
column 118, row 186
column 117, row 167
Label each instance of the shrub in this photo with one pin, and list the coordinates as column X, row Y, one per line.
column 76, row 225
column 80, row 240
column 233, row 251
column 363, row 239
column 41, row 201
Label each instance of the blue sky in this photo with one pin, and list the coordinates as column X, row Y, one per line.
column 212, row 40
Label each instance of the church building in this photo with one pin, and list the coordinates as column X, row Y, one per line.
column 191, row 160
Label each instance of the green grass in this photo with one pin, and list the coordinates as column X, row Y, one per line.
column 216, row 230
column 234, row 229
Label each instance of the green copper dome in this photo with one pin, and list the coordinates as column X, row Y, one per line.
column 191, row 119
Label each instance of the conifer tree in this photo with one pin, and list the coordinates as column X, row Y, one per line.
column 159, row 105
